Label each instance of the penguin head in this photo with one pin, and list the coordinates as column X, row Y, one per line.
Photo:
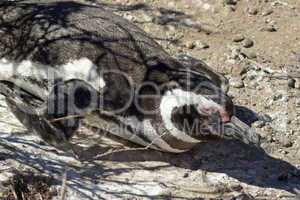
column 202, row 110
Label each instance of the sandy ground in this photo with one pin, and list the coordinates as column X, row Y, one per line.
column 256, row 44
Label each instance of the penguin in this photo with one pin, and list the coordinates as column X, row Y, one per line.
column 65, row 63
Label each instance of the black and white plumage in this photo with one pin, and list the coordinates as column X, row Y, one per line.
column 114, row 75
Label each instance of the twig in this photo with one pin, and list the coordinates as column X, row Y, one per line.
column 66, row 117
column 132, row 149
column 63, row 186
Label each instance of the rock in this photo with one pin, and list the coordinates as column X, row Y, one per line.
column 277, row 96
column 130, row 17
column 236, row 82
column 297, row 102
column 201, row 45
column 291, row 83
column 235, row 53
column 239, row 70
column 190, row 45
column 249, row 54
column 297, row 83
column 269, row 28
column 259, row 124
column 238, row 38
column 252, row 11
column 147, row 18
column 247, row 43
column 267, row 12
column 265, row 118
column 230, row 2
column 185, row 175
column 286, row 142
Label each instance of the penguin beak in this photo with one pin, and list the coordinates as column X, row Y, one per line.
column 236, row 129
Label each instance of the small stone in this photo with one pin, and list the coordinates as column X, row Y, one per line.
column 277, row 97
column 236, row 187
column 286, row 142
column 259, row 124
column 130, row 17
column 239, row 70
column 190, row 45
column 297, row 102
column 265, row 118
column 267, row 12
column 236, row 82
column 249, row 54
column 297, row 83
column 269, row 28
column 252, row 11
column 291, row 83
column 201, row 45
column 147, row 18
column 238, row 38
column 247, row 43
column 230, row 2
column 186, row 175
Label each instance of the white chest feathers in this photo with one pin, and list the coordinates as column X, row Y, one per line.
column 82, row 68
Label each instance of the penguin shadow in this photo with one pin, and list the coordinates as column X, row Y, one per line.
column 248, row 164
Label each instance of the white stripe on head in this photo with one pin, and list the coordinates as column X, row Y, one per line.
column 176, row 98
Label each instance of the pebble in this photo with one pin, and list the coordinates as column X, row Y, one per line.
column 297, row 102
column 236, row 82
column 252, row 11
column 247, row 43
column 235, row 53
column 277, row 97
column 238, row 38
column 190, row 45
column 286, row 142
column 297, row 83
column 269, row 28
column 291, row 83
column 185, row 175
column 230, row 2
column 259, row 124
column 239, row 70
column 265, row 118
column 147, row 18
column 267, row 12
column 130, row 17
column 249, row 54
column 201, row 45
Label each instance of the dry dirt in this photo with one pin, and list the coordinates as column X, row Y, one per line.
column 256, row 44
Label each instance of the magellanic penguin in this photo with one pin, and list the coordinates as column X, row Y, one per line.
column 61, row 60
